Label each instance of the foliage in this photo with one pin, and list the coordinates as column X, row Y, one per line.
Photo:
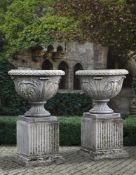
column 69, row 104
column 134, row 81
column 29, row 23
column 11, row 103
column 111, row 23
column 130, row 131
column 7, row 130
column 70, row 130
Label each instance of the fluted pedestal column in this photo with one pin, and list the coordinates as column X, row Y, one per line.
column 38, row 141
column 102, row 136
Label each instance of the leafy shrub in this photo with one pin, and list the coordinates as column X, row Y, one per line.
column 130, row 131
column 11, row 103
column 7, row 130
column 134, row 81
column 110, row 23
column 70, row 130
column 69, row 104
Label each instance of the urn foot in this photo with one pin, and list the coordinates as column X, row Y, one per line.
column 37, row 110
column 101, row 107
column 102, row 136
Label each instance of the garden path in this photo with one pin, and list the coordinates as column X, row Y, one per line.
column 75, row 164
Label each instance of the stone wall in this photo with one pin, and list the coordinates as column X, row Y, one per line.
column 71, row 57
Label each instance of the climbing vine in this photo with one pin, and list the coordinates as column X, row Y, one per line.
column 26, row 23
column 109, row 22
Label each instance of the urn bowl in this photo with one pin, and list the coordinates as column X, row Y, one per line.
column 36, row 86
column 101, row 86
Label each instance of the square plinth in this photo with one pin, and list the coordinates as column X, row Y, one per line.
column 38, row 141
column 102, row 136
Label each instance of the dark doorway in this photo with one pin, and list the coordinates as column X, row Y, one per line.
column 47, row 65
column 77, row 85
column 64, row 80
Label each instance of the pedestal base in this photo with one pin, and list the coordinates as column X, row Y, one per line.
column 38, row 141
column 39, row 161
column 105, row 154
column 102, row 136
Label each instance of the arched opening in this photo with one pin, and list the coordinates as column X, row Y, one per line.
column 76, row 84
column 50, row 48
column 47, row 65
column 59, row 49
column 64, row 80
column 36, row 53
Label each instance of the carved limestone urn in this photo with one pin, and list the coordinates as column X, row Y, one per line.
column 36, row 86
column 101, row 86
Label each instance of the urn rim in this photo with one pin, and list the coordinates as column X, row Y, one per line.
column 100, row 72
column 27, row 72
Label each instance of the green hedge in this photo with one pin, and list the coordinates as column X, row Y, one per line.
column 130, row 131
column 7, row 130
column 11, row 103
column 69, row 131
column 61, row 104
column 69, row 104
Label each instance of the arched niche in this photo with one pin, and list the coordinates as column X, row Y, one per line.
column 50, row 48
column 76, row 82
column 47, row 65
column 59, row 49
column 36, row 53
column 64, row 80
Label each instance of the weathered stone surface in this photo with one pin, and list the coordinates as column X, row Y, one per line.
column 36, row 86
column 37, row 130
column 102, row 136
column 76, row 164
column 101, row 129
column 89, row 55
column 101, row 85
column 38, row 141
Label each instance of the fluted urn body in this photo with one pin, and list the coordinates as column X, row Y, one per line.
column 101, row 86
column 36, row 86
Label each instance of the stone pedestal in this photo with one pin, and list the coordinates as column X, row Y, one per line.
column 38, row 141
column 102, row 136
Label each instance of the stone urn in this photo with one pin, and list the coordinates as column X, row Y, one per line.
column 101, row 128
column 36, row 86
column 101, row 86
column 37, row 129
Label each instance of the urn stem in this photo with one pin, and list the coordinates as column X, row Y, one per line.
column 101, row 107
column 37, row 110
